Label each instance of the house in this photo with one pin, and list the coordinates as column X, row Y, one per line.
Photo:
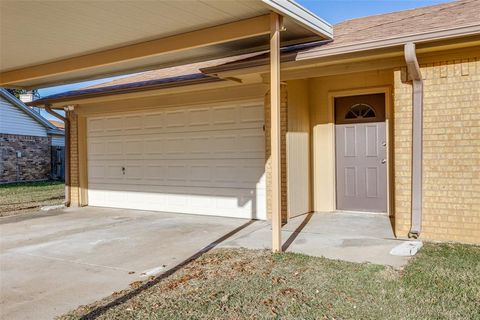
column 381, row 117
column 59, row 140
column 26, row 139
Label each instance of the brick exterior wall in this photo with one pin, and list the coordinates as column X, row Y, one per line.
column 283, row 142
column 451, row 147
column 33, row 165
column 74, row 166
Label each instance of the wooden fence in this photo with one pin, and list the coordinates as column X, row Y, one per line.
column 58, row 163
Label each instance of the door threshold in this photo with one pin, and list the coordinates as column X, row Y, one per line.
column 362, row 212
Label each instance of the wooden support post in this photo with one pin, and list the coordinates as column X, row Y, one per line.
column 275, row 27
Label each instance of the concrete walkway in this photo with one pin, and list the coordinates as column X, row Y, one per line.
column 355, row 237
column 53, row 262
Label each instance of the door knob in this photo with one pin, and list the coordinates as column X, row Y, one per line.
column 384, row 144
column 384, row 161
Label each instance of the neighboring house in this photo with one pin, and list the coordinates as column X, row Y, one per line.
column 58, row 140
column 196, row 139
column 25, row 141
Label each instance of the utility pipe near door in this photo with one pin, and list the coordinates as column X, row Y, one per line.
column 67, row 152
column 415, row 75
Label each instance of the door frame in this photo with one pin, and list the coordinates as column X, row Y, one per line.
column 387, row 90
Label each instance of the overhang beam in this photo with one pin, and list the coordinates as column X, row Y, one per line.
column 242, row 29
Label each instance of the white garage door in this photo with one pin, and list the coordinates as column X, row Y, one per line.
column 198, row 160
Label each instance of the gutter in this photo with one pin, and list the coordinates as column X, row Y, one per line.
column 325, row 51
column 415, row 75
column 422, row 37
column 67, row 152
column 107, row 91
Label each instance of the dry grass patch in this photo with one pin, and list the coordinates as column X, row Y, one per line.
column 443, row 282
column 29, row 196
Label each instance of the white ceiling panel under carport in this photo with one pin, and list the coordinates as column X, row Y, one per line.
column 37, row 33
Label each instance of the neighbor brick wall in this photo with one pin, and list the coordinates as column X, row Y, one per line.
column 268, row 168
column 74, row 166
column 33, row 165
column 451, row 146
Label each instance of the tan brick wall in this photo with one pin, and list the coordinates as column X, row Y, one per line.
column 268, row 168
column 74, row 171
column 451, row 146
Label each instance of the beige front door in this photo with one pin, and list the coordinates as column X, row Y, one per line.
column 361, row 153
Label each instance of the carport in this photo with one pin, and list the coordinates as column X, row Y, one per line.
column 73, row 41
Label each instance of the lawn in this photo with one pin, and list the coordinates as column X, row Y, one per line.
column 442, row 282
column 29, row 196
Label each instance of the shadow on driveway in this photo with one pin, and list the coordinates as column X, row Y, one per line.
column 131, row 294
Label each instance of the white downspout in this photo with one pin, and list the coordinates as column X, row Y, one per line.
column 415, row 75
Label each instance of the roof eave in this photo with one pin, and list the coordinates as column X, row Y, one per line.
column 47, row 101
column 56, row 132
column 301, row 16
column 359, row 47
column 423, row 37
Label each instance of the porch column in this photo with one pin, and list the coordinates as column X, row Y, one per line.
column 275, row 27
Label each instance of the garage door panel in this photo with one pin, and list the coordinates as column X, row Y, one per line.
column 134, row 147
column 96, row 126
column 200, row 118
column 114, row 147
column 205, row 160
column 238, row 203
column 133, row 122
column 224, row 115
column 96, row 172
column 150, row 121
column 252, row 114
column 114, row 125
column 96, row 148
column 155, row 172
column 238, row 173
column 175, row 119
column 210, row 145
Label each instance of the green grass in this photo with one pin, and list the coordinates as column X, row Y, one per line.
column 442, row 282
column 29, row 196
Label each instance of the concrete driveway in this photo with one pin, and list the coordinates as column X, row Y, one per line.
column 53, row 262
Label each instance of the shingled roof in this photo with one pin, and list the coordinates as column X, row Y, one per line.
column 351, row 34
column 403, row 23
column 452, row 15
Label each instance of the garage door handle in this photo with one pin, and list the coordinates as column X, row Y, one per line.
column 123, row 170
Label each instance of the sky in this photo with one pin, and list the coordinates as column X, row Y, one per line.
column 333, row 11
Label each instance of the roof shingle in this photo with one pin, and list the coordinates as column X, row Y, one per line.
column 402, row 23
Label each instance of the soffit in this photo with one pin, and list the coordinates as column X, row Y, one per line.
column 34, row 33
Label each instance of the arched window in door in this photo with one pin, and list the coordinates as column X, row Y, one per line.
column 360, row 111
